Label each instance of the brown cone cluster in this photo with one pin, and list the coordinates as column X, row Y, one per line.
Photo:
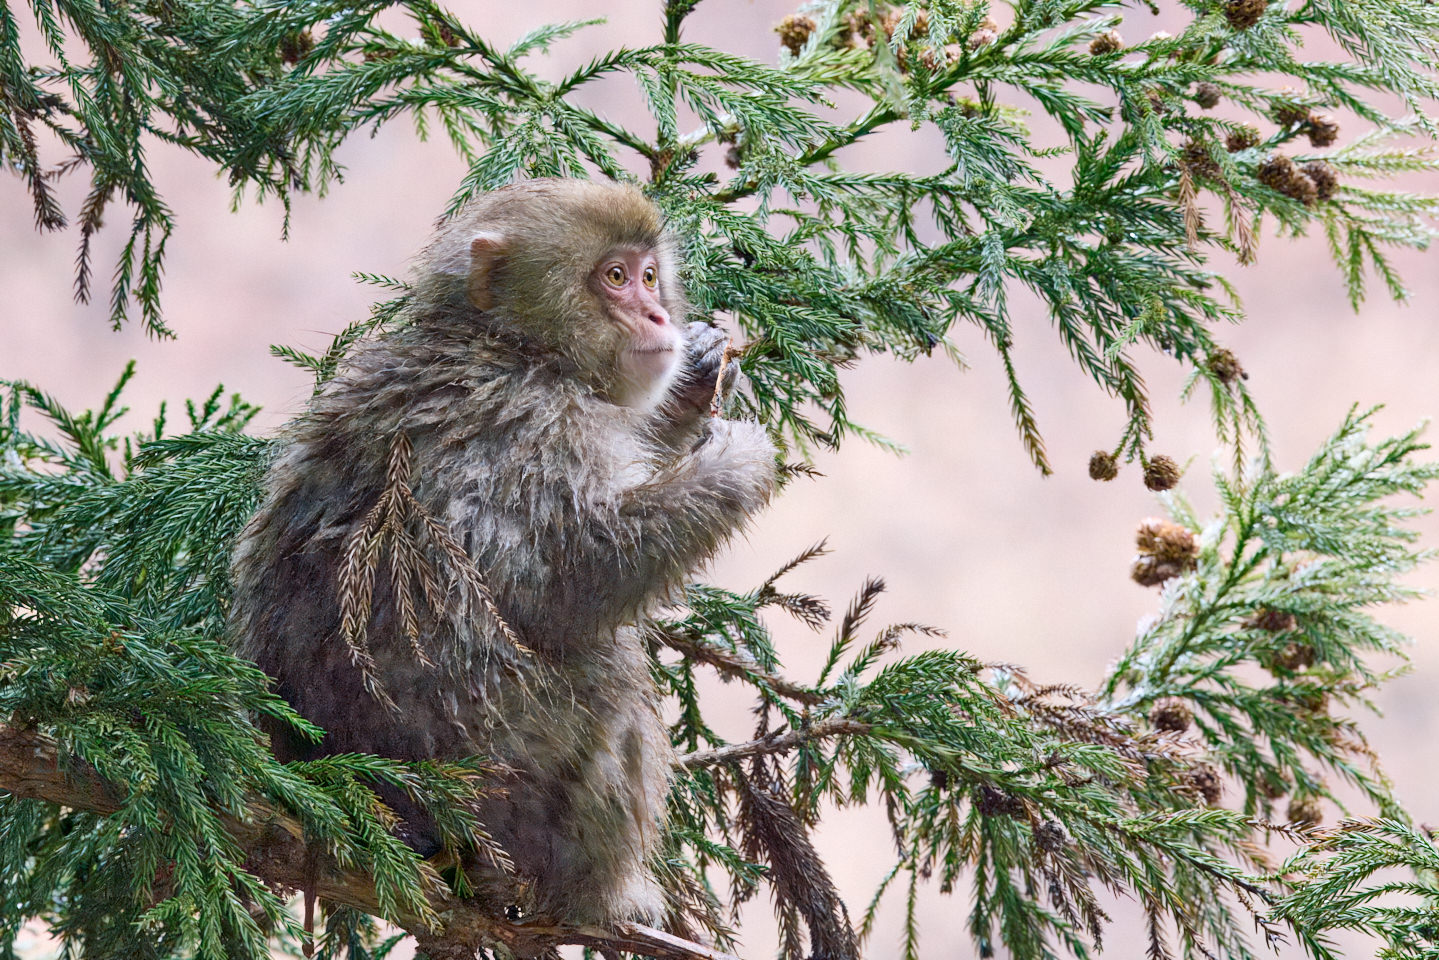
column 1287, row 177
column 1206, row 95
column 1325, row 177
column 1305, row 811
column 1273, row 789
column 1225, row 365
column 996, row 803
column 1171, row 715
column 1197, row 159
column 857, row 31
column 794, row 32
column 295, row 46
column 1206, row 782
column 984, row 34
column 1243, row 14
column 1241, row 138
column 1051, row 836
column 1295, row 656
column 1275, row 621
column 1290, row 114
column 1102, row 466
column 935, row 61
column 1322, row 129
column 1105, row 43
column 1161, row 473
column 1166, row 550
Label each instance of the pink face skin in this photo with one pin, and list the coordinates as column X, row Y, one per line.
column 629, row 281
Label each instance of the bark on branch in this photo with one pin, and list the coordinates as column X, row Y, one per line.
column 31, row 766
column 739, row 666
column 777, row 742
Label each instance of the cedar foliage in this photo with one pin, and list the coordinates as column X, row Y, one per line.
column 1026, row 801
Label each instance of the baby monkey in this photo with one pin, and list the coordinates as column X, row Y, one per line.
column 557, row 410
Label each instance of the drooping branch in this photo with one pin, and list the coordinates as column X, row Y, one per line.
column 777, row 742
column 32, row 766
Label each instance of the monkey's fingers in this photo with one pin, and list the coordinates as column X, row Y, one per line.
column 718, row 397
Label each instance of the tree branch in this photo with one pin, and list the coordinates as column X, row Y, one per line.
column 738, row 665
column 32, row 766
column 777, row 742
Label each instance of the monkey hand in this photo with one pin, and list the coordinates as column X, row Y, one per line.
column 711, row 375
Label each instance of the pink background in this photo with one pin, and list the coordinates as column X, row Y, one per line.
column 970, row 538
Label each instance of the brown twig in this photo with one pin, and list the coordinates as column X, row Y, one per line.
column 777, row 742
column 31, row 766
column 738, row 665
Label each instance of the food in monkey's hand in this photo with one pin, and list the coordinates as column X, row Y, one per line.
column 555, row 412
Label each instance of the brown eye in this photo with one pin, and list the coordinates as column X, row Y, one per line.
column 651, row 278
column 615, row 275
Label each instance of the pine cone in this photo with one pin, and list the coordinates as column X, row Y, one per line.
column 295, row 46
column 1225, row 365
column 1150, row 571
column 1295, row 656
column 1290, row 114
column 1106, row 43
column 1243, row 14
column 1323, row 130
column 1196, row 157
column 859, row 29
column 1303, row 189
column 1206, row 95
column 1275, row 621
column 1166, row 540
column 794, row 31
column 1102, row 466
column 1241, row 138
column 1283, row 174
column 1161, row 473
column 1171, row 715
column 1206, row 782
column 996, row 803
column 1305, row 811
column 984, row 34
column 1051, row 836
column 1325, row 177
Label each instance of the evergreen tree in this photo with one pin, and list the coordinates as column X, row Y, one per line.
column 141, row 814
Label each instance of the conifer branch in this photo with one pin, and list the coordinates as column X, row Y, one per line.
column 780, row 741
column 738, row 666
column 33, row 767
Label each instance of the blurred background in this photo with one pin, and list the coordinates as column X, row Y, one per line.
column 966, row 533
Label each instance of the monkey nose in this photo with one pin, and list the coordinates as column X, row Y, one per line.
column 658, row 316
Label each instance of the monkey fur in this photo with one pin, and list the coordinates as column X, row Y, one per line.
column 583, row 503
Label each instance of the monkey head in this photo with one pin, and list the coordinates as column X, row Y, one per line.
column 581, row 269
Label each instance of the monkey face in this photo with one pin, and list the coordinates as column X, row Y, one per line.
column 628, row 283
column 581, row 270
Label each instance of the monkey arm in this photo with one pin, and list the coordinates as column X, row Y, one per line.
column 678, row 519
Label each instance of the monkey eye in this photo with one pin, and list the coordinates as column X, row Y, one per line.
column 615, row 275
column 651, row 278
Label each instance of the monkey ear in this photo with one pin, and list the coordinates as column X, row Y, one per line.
column 486, row 251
